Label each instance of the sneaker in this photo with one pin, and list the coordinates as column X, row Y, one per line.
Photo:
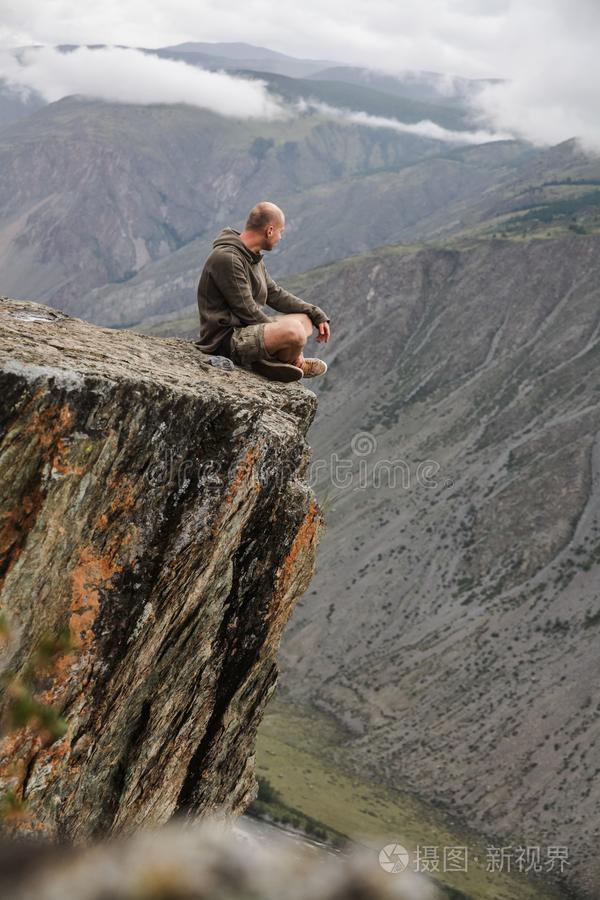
column 313, row 366
column 277, row 371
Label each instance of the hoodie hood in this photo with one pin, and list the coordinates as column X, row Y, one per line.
column 229, row 237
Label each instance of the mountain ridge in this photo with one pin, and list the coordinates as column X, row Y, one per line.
column 451, row 622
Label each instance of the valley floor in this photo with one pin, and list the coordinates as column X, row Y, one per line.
column 299, row 753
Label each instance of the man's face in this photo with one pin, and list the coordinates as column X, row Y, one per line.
column 273, row 234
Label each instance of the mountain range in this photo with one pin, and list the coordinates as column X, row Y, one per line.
column 91, row 192
column 451, row 626
column 428, row 87
column 452, row 621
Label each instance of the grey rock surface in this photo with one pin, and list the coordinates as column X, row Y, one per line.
column 157, row 508
column 203, row 862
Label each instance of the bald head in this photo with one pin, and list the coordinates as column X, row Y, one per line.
column 263, row 214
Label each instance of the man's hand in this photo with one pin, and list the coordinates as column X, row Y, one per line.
column 324, row 333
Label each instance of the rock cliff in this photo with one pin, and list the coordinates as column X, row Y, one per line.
column 154, row 511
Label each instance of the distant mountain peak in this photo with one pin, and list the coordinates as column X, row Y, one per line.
column 233, row 49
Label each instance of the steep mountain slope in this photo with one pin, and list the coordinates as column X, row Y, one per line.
column 90, row 192
column 239, row 55
column 501, row 189
column 363, row 98
column 453, row 623
column 428, row 87
column 14, row 106
column 328, row 222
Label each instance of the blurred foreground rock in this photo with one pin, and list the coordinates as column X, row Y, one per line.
column 154, row 511
column 202, row 862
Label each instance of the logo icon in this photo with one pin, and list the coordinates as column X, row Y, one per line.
column 393, row 858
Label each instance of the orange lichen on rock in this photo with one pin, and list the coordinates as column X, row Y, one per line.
column 50, row 427
column 124, row 499
column 53, row 751
column 101, row 522
column 93, row 572
column 15, row 525
column 17, row 749
column 48, row 424
column 305, row 536
column 300, row 555
column 243, row 471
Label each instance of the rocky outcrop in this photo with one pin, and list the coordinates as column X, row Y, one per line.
column 155, row 513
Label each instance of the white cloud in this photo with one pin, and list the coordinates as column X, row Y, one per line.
column 425, row 128
column 553, row 93
column 130, row 76
column 546, row 50
column 455, row 36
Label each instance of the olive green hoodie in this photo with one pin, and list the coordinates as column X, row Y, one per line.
column 233, row 289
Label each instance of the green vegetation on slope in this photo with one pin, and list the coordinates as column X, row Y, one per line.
column 361, row 98
column 300, row 754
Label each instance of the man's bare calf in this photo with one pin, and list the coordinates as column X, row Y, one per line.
column 286, row 336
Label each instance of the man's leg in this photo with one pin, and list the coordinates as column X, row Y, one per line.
column 286, row 336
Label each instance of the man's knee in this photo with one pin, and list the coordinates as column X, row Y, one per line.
column 302, row 318
column 286, row 335
column 294, row 332
column 306, row 323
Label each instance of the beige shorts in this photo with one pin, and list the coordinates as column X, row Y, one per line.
column 247, row 344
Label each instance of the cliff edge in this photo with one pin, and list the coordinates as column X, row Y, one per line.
column 154, row 511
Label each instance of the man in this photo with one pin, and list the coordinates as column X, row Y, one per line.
column 232, row 292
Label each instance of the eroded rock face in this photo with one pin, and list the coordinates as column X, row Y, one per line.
column 157, row 507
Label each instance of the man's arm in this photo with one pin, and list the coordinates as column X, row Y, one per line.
column 285, row 302
column 230, row 277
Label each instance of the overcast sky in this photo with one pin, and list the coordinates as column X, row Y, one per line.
column 547, row 50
